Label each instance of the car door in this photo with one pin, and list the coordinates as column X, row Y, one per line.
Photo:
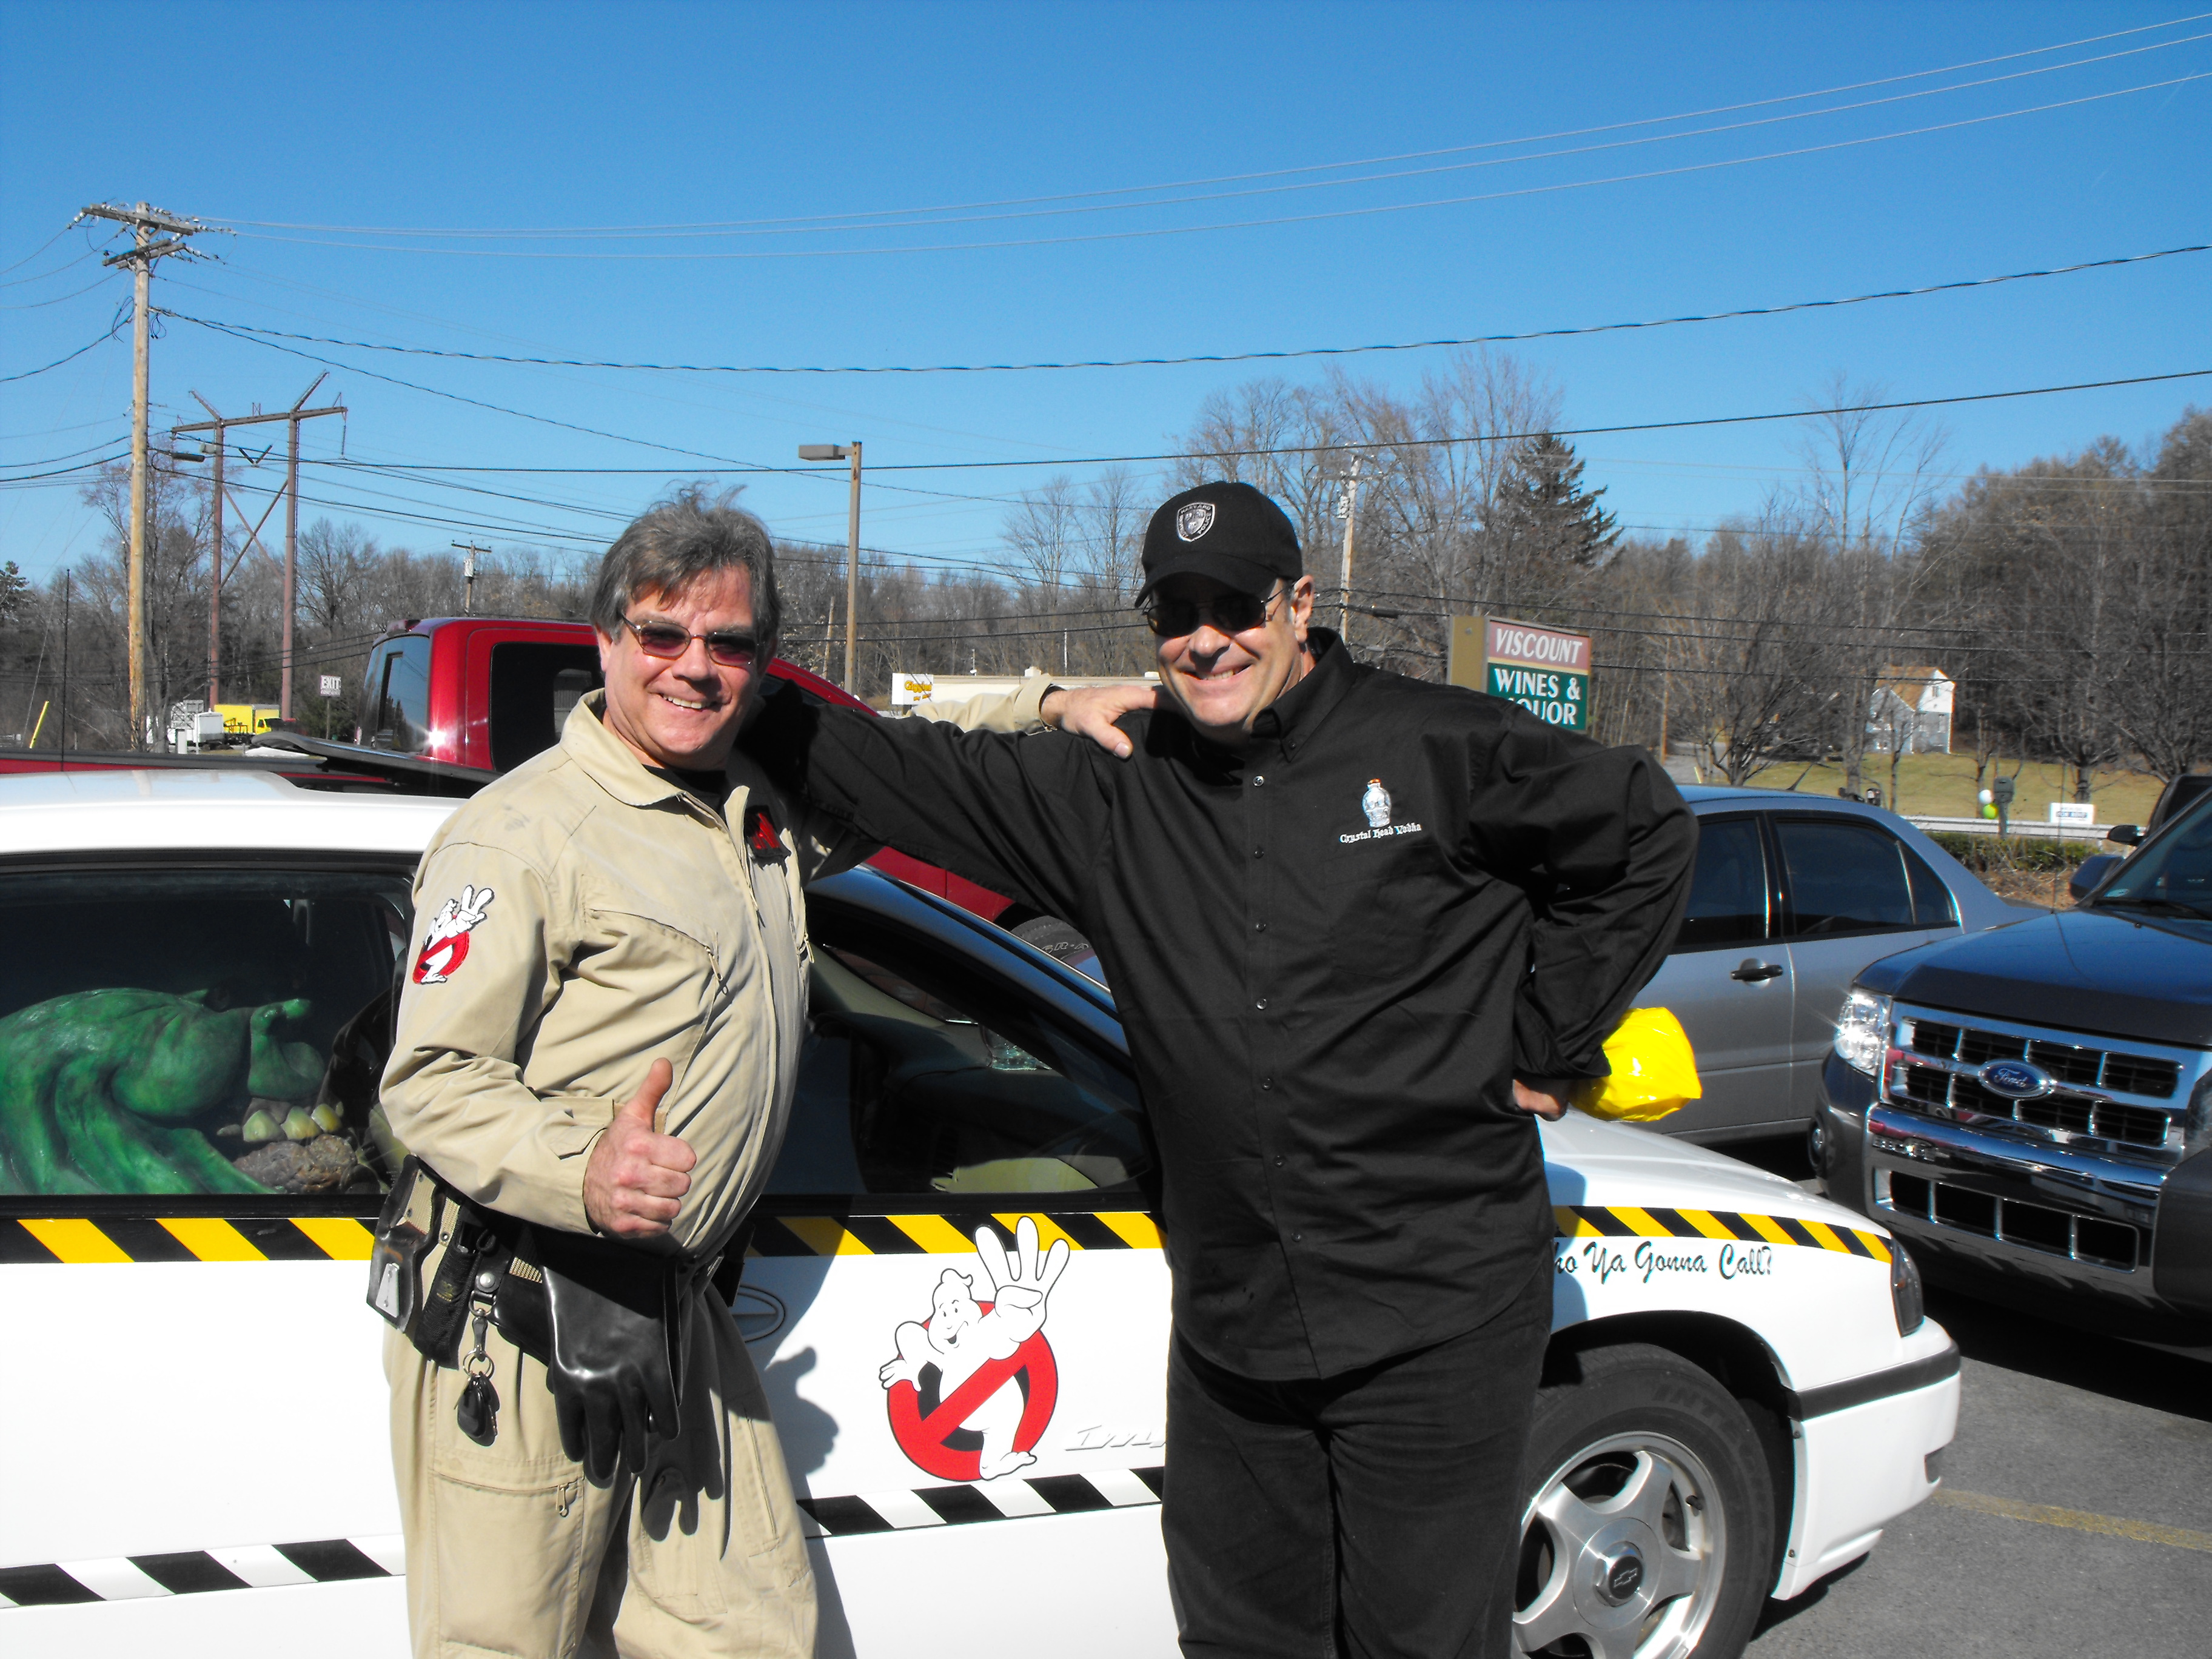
column 1851, row 892
column 1730, row 982
column 956, row 1296
column 194, row 1399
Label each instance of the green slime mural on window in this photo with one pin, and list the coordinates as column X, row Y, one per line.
column 99, row 1090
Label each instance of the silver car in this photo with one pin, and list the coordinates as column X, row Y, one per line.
column 1793, row 895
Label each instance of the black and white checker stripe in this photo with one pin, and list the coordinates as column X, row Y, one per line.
column 189, row 1573
column 1003, row 1499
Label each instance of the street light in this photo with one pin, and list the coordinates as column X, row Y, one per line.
column 838, row 452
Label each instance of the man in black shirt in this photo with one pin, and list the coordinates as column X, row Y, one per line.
column 1359, row 928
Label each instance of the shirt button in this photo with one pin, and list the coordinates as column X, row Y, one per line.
column 1258, row 852
column 1297, row 1238
column 1261, row 1003
column 1268, row 1083
column 1257, row 782
column 1278, row 1160
column 1259, row 926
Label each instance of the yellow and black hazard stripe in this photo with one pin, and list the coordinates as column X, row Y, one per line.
column 78, row 1239
column 949, row 1234
column 1627, row 1221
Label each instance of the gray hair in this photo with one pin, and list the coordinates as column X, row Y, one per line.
column 673, row 544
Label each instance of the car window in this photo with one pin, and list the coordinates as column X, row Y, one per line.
column 399, row 694
column 205, row 1030
column 1728, row 893
column 2176, row 867
column 1841, row 877
column 534, row 684
column 924, row 1076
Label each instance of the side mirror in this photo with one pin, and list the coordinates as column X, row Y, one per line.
column 2089, row 873
column 2128, row 835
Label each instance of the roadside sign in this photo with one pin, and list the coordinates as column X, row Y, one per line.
column 2073, row 811
column 333, row 685
column 1545, row 669
column 909, row 687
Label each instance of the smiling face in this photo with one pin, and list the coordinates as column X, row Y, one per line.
column 1222, row 681
column 684, row 712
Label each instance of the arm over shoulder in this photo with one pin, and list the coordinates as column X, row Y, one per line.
column 1024, row 815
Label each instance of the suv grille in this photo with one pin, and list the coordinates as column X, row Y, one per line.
column 2088, row 1068
column 2032, row 1226
column 1945, row 1083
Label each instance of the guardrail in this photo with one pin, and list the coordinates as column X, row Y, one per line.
column 2019, row 827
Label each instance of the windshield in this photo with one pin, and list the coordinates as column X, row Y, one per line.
column 2174, row 870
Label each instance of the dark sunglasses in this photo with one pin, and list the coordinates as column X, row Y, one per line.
column 1229, row 613
column 661, row 639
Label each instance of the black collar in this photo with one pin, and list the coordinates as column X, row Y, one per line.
column 1293, row 718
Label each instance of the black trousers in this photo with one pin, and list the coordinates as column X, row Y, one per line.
column 1373, row 1513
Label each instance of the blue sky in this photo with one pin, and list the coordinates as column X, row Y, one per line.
column 406, row 119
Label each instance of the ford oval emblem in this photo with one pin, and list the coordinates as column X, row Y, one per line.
column 2015, row 1080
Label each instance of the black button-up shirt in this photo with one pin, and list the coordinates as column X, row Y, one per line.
column 1332, row 953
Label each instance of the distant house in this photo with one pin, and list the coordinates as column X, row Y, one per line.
column 1910, row 712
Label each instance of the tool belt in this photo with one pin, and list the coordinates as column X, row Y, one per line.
column 612, row 1326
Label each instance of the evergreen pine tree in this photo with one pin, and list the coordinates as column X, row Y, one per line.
column 1543, row 505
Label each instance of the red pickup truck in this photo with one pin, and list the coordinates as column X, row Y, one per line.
column 449, row 702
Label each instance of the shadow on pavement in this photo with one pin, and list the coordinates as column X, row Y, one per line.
column 2017, row 1341
column 1781, row 1613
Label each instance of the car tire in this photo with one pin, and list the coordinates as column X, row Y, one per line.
column 1648, row 1513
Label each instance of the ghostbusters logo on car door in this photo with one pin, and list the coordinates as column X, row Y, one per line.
column 973, row 1386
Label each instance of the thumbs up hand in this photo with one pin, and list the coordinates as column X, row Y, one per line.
column 636, row 1177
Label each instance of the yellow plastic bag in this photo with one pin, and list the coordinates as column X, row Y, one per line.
column 1654, row 1071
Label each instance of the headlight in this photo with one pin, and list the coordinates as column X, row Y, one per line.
column 1906, row 1294
column 2197, row 1126
column 1862, row 1031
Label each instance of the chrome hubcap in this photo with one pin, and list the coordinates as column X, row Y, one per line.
column 1622, row 1547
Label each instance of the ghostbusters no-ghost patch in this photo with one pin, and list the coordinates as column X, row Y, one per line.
column 446, row 947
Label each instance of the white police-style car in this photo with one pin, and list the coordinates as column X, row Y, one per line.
column 1741, row 1390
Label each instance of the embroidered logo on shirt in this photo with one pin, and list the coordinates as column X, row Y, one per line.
column 1375, row 803
column 1193, row 520
column 1375, row 806
column 760, row 835
column 446, row 947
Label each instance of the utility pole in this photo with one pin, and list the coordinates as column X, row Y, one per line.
column 65, row 625
column 293, row 417
column 1348, row 508
column 145, row 221
column 214, row 563
column 468, row 551
column 838, row 452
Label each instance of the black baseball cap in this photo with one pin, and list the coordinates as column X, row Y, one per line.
column 1229, row 532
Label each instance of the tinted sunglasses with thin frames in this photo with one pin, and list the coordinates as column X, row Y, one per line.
column 663, row 639
column 1229, row 613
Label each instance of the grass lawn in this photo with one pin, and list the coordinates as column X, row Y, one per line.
column 1942, row 786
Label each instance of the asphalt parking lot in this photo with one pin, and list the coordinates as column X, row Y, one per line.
column 2076, row 1516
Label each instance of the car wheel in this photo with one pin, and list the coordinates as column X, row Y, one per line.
column 1647, row 1515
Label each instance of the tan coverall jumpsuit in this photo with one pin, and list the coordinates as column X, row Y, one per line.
column 578, row 919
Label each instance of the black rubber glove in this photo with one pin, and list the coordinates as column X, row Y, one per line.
column 618, row 1340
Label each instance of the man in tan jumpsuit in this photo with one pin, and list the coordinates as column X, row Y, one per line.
column 609, row 940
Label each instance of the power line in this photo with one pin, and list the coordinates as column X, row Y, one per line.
column 810, row 227
column 828, row 220
column 58, row 362
column 1202, row 357
column 1284, row 219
